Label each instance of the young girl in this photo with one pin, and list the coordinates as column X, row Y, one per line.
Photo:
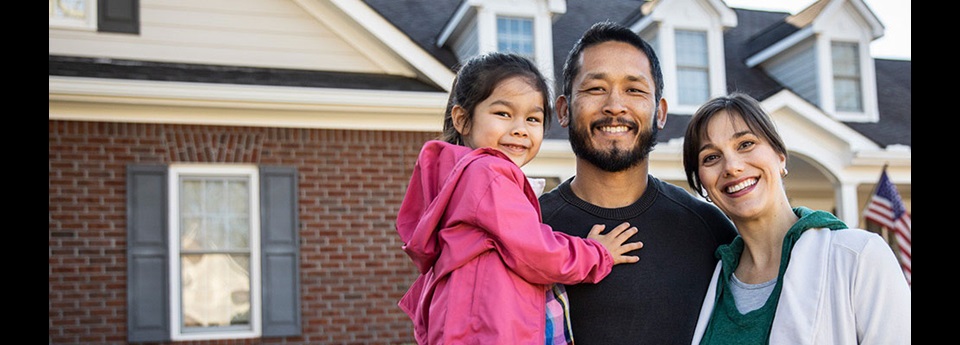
column 470, row 220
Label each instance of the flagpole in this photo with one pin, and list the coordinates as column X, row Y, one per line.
column 884, row 231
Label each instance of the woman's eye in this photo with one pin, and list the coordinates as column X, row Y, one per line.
column 746, row 144
column 709, row 158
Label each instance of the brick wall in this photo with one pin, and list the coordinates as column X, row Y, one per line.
column 353, row 271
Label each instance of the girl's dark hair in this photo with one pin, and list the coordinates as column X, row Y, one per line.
column 735, row 104
column 476, row 80
column 602, row 32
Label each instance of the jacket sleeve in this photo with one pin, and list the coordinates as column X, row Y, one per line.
column 530, row 248
column 881, row 297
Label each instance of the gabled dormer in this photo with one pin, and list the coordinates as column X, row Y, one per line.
column 524, row 27
column 823, row 54
column 688, row 38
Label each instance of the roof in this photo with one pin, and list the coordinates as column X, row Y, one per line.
column 422, row 21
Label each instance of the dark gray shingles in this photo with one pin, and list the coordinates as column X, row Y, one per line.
column 893, row 96
column 146, row 70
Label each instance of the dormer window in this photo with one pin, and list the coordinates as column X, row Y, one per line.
column 515, row 35
column 847, row 92
column 688, row 38
column 522, row 27
column 693, row 70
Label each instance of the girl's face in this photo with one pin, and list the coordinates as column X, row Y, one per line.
column 739, row 169
column 510, row 120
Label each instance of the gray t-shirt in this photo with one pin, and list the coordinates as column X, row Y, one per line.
column 750, row 297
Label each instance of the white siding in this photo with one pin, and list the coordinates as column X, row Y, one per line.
column 255, row 33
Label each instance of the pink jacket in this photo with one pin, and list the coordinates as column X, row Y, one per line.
column 471, row 223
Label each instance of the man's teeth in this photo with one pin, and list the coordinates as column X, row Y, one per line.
column 614, row 129
column 740, row 186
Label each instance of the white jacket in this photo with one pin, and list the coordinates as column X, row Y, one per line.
column 840, row 287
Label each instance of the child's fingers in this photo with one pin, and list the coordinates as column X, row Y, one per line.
column 595, row 230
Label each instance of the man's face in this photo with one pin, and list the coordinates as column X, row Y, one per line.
column 612, row 113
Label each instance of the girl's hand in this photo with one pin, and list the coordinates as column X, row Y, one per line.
column 614, row 240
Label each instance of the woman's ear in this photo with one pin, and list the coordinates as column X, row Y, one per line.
column 459, row 116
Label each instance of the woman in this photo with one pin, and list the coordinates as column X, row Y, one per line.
column 792, row 275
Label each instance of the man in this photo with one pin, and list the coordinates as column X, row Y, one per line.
column 610, row 100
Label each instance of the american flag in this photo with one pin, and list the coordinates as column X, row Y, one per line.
column 886, row 209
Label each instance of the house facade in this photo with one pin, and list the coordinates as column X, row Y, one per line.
column 229, row 172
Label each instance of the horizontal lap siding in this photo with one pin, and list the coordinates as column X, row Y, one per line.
column 351, row 183
column 260, row 33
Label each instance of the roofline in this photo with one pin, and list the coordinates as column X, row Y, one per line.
column 392, row 37
column 779, row 47
column 124, row 100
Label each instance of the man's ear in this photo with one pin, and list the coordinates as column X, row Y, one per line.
column 459, row 116
column 662, row 113
column 563, row 114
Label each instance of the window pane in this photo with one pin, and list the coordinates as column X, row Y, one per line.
column 238, row 201
column 73, row 9
column 693, row 86
column 692, row 48
column 515, row 35
column 846, row 76
column 216, row 290
column 845, row 59
column 693, row 74
column 847, row 95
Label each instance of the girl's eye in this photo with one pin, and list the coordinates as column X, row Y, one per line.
column 502, row 114
column 534, row 119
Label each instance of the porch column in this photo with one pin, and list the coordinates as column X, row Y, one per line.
column 847, row 204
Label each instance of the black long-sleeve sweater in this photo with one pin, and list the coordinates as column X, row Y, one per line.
column 656, row 300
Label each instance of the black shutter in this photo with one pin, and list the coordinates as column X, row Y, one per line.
column 280, row 251
column 121, row 16
column 147, row 282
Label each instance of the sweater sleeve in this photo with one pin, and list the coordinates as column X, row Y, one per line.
column 530, row 248
column 881, row 297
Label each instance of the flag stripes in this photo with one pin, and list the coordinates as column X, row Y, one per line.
column 887, row 209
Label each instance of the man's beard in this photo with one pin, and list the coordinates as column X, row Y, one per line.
column 618, row 158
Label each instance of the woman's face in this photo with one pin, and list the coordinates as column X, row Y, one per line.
column 510, row 120
column 739, row 169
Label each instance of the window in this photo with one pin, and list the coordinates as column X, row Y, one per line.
column 847, row 94
column 73, row 14
column 214, row 262
column 693, row 74
column 515, row 35
column 115, row 16
column 212, row 252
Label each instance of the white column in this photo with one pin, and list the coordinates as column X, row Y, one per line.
column 847, row 204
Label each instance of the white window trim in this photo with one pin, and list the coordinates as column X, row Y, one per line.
column 89, row 23
column 483, row 14
column 250, row 171
column 868, row 82
column 667, row 54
